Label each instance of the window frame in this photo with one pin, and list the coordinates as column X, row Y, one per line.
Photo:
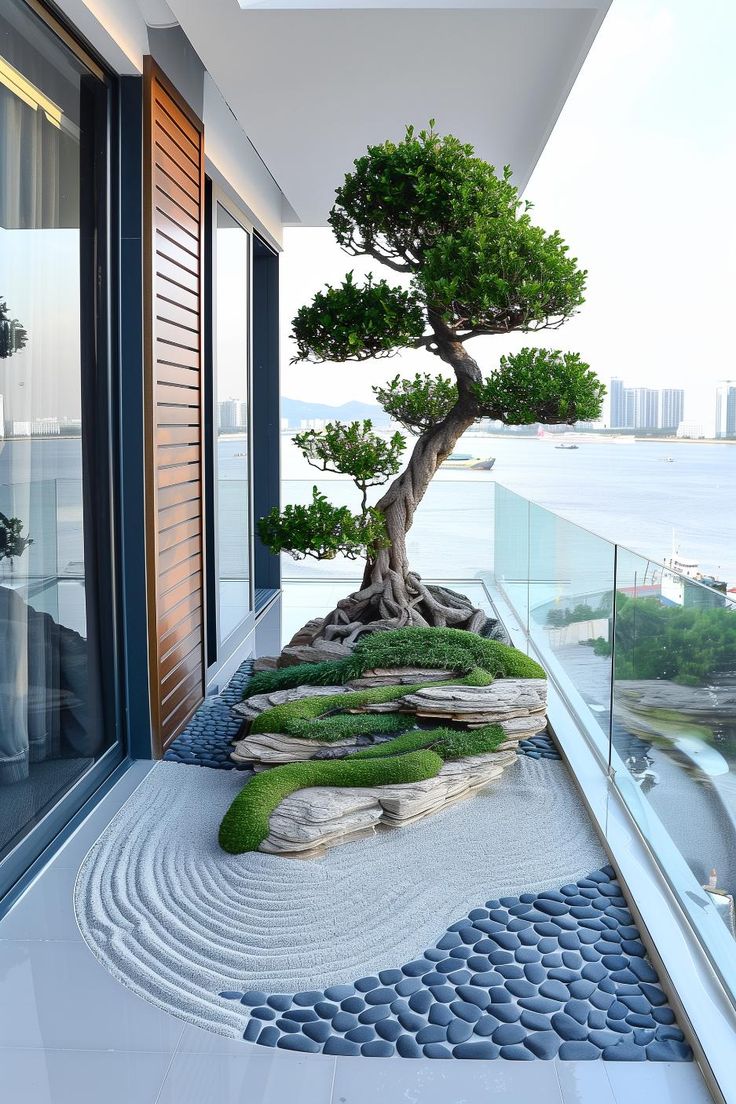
column 222, row 648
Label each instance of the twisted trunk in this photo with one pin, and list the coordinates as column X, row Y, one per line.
column 392, row 595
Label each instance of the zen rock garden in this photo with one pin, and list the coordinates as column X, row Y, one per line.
column 393, row 730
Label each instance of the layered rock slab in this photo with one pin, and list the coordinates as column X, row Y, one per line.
column 325, row 815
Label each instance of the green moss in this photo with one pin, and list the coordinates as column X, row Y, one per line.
column 344, row 725
column 246, row 823
column 305, row 709
column 279, row 717
column 451, row 649
column 448, row 743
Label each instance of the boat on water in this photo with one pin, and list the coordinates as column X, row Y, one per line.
column 567, row 446
column 468, row 461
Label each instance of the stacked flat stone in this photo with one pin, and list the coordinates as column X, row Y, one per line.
column 517, row 705
column 321, row 816
column 324, row 815
column 557, row 974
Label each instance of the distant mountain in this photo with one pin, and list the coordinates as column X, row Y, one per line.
column 297, row 410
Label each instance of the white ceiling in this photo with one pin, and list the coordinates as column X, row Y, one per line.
column 312, row 87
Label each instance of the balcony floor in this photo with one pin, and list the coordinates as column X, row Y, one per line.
column 69, row 1030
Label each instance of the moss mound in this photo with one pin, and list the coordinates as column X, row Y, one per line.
column 245, row 824
column 328, row 730
column 450, row 649
column 448, row 743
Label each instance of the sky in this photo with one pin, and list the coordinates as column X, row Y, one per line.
column 639, row 176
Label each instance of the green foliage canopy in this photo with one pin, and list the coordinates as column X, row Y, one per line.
column 541, row 385
column 353, row 322
column 419, row 403
column 322, row 531
column 353, row 449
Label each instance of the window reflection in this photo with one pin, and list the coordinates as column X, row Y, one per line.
column 50, row 725
column 232, row 291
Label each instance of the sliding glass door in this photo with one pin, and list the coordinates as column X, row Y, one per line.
column 57, row 716
column 231, row 347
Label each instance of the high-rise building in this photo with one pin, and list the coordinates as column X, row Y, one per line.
column 641, row 408
column 671, row 407
column 617, row 414
column 726, row 409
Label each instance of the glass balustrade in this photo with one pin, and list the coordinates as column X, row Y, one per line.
column 644, row 654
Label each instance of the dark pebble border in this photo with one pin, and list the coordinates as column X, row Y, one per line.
column 207, row 739
column 561, row 973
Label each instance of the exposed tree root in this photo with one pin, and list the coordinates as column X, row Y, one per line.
column 396, row 602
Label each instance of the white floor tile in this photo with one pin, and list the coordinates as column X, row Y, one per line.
column 256, row 1078
column 196, row 1040
column 584, row 1083
column 663, row 1082
column 46, row 909
column 81, row 1077
column 400, row 1081
column 57, row 995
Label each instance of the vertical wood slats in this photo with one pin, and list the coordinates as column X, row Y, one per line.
column 174, row 226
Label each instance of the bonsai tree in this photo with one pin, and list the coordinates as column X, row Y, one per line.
column 12, row 335
column 473, row 264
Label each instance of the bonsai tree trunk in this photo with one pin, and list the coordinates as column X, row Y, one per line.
column 392, row 595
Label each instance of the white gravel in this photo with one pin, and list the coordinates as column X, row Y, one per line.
column 177, row 920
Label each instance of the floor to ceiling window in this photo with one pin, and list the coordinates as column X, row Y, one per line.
column 231, row 295
column 54, row 694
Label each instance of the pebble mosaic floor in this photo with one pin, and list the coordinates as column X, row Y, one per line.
column 207, row 739
column 561, row 973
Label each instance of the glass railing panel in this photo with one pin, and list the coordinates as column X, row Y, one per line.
column 674, row 736
column 571, row 578
column 511, row 550
column 451, row 538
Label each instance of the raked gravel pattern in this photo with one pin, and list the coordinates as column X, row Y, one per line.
column 179, row 920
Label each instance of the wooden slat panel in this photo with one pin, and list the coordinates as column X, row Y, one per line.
column 188, row 589
column 178, row 679
column 168, row 394
column 174, row 403
column 178, row 356
column 169, row 538
column 174, row 187
column 175, row 274
column 169, row 211
column 179, row 631
column 175, row 329
column 175, row 314
column 188, row 606
column 169, row 455
column 175, row 721
column 183, row 647
column 178, row 474
column 178, row 553
column 175, row 120
column 168, row 290
column 174, row 143
column 170, row 415
column 185, row 492
column 174, row 373
column 168, row 247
